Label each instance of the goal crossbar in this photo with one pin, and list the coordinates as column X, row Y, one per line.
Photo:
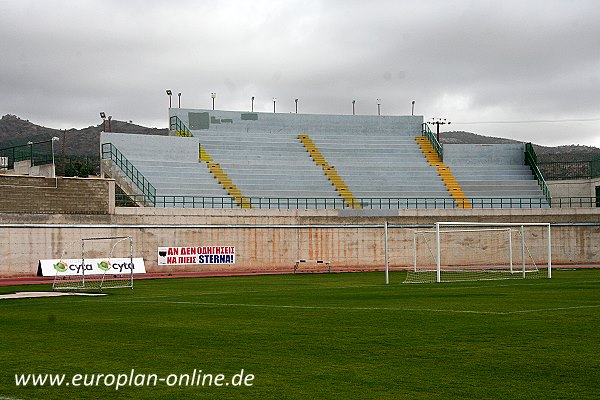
column 101, row 278
column 442, row 228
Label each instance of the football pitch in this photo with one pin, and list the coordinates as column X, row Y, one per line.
column 308, row 336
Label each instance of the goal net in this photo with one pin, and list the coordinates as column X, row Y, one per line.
column 96, row 264
column 455, row 251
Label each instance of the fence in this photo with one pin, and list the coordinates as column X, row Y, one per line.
column 563, row 170
column 39, row 153
column 123, row 200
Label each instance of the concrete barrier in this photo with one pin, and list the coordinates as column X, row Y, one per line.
column 272, row 240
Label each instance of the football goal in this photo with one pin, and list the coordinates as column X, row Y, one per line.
column 467, row 251
column 105, row 262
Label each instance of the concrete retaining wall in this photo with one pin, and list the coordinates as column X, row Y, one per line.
column 573, row 187
column 273, row 240
column 28, row 194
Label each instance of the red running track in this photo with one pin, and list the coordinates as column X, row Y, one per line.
column 38, row 280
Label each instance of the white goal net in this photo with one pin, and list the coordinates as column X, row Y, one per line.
column 96, row 264
column 459, row 251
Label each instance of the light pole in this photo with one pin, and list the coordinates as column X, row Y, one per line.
column 296, row 101
column 103, row 116
column 213, row 95
column 437, row 123
column 30, row 144
column 412, row 110
column 179, row 95
column 378, row 106
column 64, row 158
column 274, row 101
column 353, row 103
column 54, row 139
column 169, row 93
column 252, row 102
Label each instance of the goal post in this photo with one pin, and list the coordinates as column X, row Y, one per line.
column 104, row 262
column 464, row 251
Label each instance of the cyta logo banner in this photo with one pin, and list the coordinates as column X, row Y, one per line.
column 91, row 266
column 196, row 255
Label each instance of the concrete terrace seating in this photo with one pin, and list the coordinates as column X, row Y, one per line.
column 376, row 165
column 169, row 163
column 491, row 172
column 378, row 158
column 263, row 164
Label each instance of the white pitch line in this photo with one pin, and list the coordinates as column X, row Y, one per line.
column 297, row 307
column 552, row 309
column 341, row 308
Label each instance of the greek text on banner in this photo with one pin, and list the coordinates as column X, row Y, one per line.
column 196, row 255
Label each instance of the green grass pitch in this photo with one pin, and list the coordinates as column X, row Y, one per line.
column 315, row 336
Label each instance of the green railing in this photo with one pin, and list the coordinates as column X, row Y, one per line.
column 39, row 153
column 531, row 160
column 148, row 196
column 365, row 203
column 561, row 170
column 439, row 149
column 175, row 124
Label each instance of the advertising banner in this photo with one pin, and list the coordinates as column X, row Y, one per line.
column 92, row 266
column 196, row 255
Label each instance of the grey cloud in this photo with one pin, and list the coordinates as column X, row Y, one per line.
column 467, row 60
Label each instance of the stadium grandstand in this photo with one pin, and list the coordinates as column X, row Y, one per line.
column 229, row 159
column 289, row 192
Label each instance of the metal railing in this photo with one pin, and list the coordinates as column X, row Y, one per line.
column 575, row 202
column 148, row 196
column 562, row 170
column 39, row 153
column 365, row 203
column 439, row 149
column 175, row 124
column 531, row 160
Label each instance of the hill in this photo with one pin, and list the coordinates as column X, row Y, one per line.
column 544, row 153
column 15, row 131
column 85, row 142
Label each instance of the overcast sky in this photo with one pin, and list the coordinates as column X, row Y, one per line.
column 527, row 70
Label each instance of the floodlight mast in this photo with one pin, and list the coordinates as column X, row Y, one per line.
column 437, row 123
column 169, row 93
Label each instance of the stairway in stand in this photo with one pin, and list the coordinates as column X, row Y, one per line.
column 330, row 171
column 223, row 179
column 444, row 171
